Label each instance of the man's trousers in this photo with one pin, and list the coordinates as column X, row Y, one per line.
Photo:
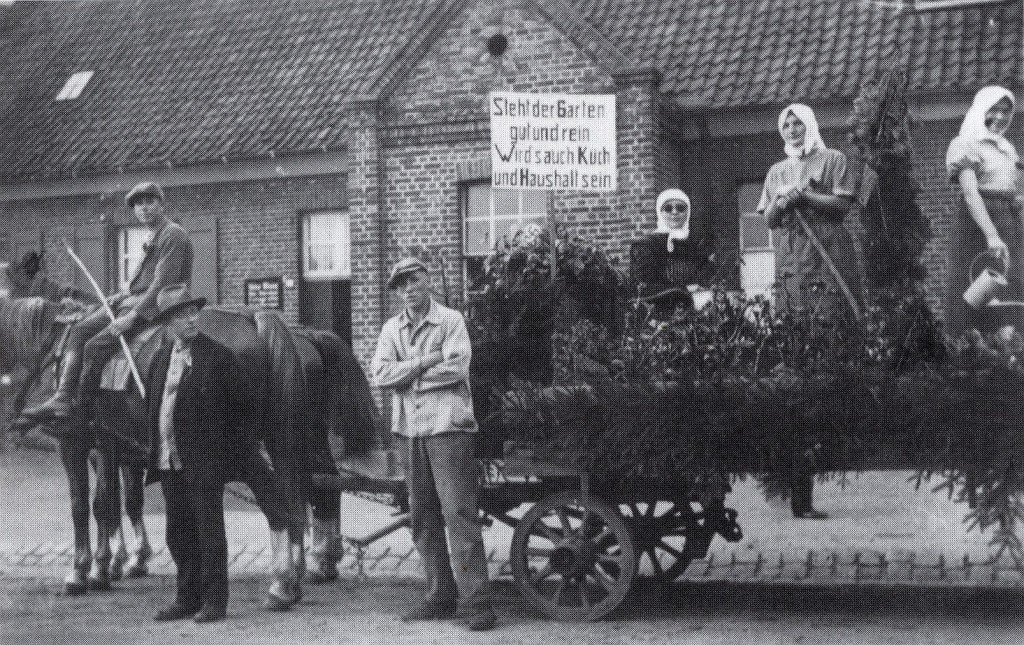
column 196, row 538
column 442, row 476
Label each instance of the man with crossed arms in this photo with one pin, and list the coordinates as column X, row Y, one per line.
column 423, row 356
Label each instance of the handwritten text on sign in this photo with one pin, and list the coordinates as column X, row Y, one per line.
column 553, row 141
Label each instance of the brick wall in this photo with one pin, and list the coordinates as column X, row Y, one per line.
column 257, row 223
column 435, row 122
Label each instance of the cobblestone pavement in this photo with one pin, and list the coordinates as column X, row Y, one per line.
column 828, row 569
column 883, row 532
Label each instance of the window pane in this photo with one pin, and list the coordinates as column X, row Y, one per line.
column 535, row 201
column 748, row 196
column 479, row 205
column 506, row 203
column 754, row 232
column 130, row 251
column 478, row 237
column 327, row 246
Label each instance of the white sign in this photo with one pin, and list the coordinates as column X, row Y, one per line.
column 553, row 141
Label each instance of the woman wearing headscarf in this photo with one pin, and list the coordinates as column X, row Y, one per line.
column 667, row 263
column 812, row 182
column 983, row 162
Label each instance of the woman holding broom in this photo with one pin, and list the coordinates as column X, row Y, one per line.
column 806, row 196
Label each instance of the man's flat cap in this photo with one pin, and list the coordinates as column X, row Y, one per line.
column 145, row 188
column 403, row 268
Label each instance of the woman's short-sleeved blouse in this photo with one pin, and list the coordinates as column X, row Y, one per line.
column 825, row 170
column 996, row 170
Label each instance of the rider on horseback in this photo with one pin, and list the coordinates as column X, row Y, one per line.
column 167, row 260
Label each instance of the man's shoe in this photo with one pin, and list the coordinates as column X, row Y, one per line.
column 57, row 406
column 482, row 621
column 430, row 611
column 811, row 514
column 174, row 612
column 210, row 615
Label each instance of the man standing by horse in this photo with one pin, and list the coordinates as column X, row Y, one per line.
column 423, row 356
column 167, row 260
column 195, row 414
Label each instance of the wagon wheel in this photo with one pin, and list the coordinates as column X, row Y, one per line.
column 573, row 557
column 669, row 536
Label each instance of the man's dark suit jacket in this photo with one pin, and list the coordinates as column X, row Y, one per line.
column 208, row 411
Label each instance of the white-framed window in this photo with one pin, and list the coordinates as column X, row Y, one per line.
column 130, row 241
column 73, row 87
column 492, row 214
column 326, row 246
column 757, row 273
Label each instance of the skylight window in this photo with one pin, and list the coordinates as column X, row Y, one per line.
column 73, row 87
column 924, row 5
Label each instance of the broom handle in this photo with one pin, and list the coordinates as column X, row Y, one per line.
column 110, row 312
column 845, row 288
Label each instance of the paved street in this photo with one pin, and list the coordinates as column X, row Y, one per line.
column 829, row 586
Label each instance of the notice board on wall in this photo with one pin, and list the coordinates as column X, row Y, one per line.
column 265, row 293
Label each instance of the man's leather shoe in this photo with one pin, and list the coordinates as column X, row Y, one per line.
column 56, row 407
column 174, row 612
column 210, row 615
column 481, row 621
column 811, row 514
column 430, row 611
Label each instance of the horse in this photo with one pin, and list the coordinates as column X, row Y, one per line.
column 294, row 425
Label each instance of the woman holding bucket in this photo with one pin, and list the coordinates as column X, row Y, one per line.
column 989, row 233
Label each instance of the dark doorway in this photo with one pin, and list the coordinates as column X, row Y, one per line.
column 325, row 294
column 327, row 304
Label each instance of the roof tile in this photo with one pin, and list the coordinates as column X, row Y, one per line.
column 182, row 82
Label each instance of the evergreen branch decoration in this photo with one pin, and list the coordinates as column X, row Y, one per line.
column 895, row 229
column 736, row 388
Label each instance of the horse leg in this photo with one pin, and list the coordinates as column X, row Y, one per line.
column 261, row 479
column 134, row 497
column 74, row 453
column 325, row 533
column 106, row 509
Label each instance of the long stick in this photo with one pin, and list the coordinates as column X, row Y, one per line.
column 552, row 235
column 110, row 312
column 845, row 288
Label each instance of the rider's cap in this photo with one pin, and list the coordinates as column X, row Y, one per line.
column 403, row 268
column 150, row 188
column 175, row 297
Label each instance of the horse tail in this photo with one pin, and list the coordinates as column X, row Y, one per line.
column 284, row 411
column 355, row 417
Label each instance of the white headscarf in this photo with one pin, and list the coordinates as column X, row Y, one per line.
column 812, row 137
column 663, row 227
column 974, row 128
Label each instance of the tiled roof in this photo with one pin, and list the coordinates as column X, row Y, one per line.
column 185, row 82
column 727, row 53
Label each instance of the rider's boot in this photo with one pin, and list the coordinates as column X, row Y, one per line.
column 61, row 403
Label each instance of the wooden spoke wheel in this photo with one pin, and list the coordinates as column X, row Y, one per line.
column 668, row 535
column 573, row 557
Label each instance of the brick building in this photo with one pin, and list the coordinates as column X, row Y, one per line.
column 307, row 144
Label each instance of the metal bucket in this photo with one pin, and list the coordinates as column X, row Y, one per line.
column 987, row 286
